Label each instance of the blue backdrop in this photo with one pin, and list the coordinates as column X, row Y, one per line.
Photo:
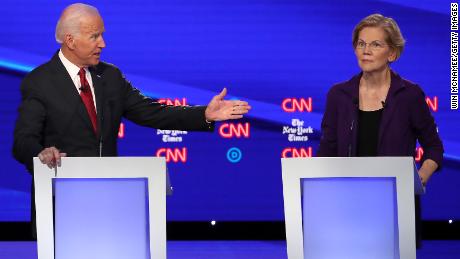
column 264, row 52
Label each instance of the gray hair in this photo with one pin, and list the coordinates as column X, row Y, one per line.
column 69, row 22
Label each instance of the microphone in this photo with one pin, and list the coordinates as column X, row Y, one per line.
column 84, row 88
column 351, row 130
column 100, row 131
column 355, row 101
column 100, row 126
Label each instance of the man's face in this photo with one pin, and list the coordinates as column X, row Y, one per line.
column 88, row 44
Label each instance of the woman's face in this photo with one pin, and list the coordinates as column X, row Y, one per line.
column 372, row 51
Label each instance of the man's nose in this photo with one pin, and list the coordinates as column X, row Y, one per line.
column 101, row 43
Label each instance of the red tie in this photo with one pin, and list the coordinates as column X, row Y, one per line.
column 87, row 98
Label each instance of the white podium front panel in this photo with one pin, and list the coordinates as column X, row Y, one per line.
column 113, row 211
column 105, row 207
column 355, row 186
column 356, row 217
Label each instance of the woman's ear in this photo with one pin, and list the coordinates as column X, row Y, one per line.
column 392, row 56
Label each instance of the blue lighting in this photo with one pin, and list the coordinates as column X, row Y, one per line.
column 15, row 66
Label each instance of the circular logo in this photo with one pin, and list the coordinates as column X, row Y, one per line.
column 234, row 155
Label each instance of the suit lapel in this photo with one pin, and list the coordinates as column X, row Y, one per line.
column 352, row 92
column 66, row 89
column 98, row 85
column 390, row 104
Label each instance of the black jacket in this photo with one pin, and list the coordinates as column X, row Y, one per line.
column 52, row 113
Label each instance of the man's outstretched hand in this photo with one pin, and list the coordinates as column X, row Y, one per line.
column 219, row 109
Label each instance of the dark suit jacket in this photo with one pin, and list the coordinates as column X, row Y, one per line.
column 52, row 113
column 405, row 119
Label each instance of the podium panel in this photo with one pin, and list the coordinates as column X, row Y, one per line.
column 110, row 207
column 113, row 211
column 350, row 207
column 356, row 217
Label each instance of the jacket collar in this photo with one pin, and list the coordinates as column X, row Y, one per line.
column 352, row 87
column 98, row 84
column 351, row 90
column 65, row 86
column 390, row 106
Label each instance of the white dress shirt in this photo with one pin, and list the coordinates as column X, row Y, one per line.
column 73, row 70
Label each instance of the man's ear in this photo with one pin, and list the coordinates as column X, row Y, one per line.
column 69, row 41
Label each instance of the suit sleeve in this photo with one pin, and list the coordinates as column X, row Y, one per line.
column 425, row 129
column 328, row 141
column 147, row 112
column 28, row 132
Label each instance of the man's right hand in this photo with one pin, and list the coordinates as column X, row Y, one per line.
column 51, row 157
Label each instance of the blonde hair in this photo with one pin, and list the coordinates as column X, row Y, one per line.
column 394, row 37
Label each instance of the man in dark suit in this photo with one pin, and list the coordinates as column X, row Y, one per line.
column 73, row 105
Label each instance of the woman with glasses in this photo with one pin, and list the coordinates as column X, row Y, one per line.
column 377, row 112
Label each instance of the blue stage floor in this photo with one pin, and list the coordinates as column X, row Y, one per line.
column 234, row 249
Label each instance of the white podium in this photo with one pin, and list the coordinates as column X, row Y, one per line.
column 101, row 207
column 350, row 207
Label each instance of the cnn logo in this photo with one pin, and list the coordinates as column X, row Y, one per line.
column 121, row 130
column 432, row 103
column 297, row 152
column 297, row 104
column 238, row 130
column 173, row 154
column 418, row 154
column 174, row 102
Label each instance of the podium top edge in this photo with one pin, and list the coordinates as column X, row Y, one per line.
column 112, row 158
column 349, row 158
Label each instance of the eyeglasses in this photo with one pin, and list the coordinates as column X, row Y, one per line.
column 375, row 45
